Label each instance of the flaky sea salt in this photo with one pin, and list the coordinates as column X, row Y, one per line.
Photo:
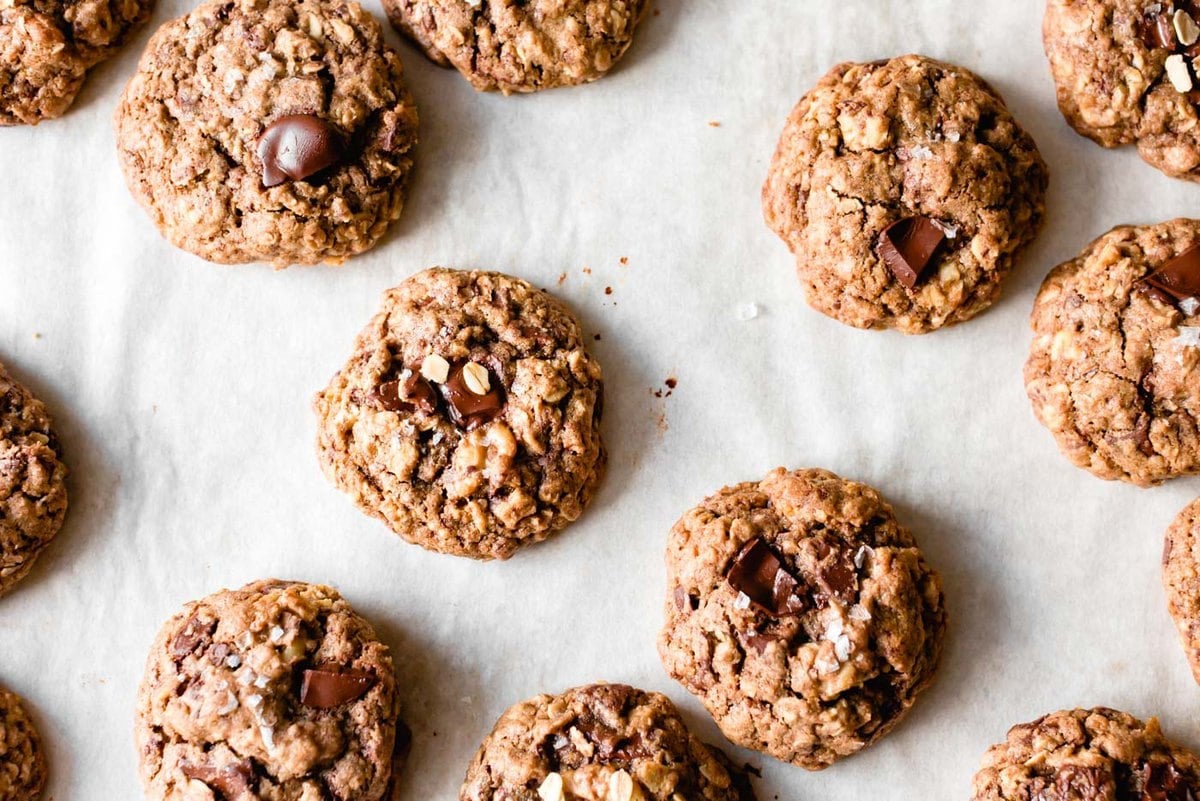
column 742, row 601
column 1189, row 306
column 1189, row 336
column 841, row 648
column 860, row 556
column 859, row 612
column 747, row 311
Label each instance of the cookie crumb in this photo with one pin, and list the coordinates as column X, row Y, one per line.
column 747, row 312
column 562, row 278
column 608, row 290
column 714, row 124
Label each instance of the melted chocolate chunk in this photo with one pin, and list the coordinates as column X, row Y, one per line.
column 326, row 689
column 758, row 573
column 1079, row 781
column 230, row 782
column 907, row 247
column 1178, row 279
column 838, row 577
column 1162, row 781
column 1156, row 31
column 407, row 394
column 297, row 146
column 468, row 410
column 193, row 635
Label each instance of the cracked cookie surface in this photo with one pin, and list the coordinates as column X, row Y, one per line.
column 802, row 615
column 33, row 492
column 1112, row 80
column 191, row 126
column 22, row 761
column 875, row 144
column 1181, row 580
column 1087, row 755
column 520, row 45
column 519, row 462
column 48, row 46
column 602, row 742
column 1111, row 372
column 275, row 691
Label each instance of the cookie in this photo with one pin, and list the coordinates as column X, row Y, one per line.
column 269, row 131
column 520, row 45
column 278, row 690
column 22, row 761
column 1113, row 367
column 468, row 418
column 1087, row 755
column 33, row 492
column 1181, row 580
column 906, row 191
column 801, row 614
column 1124, row 76
column 603, row 742
column 48, row 46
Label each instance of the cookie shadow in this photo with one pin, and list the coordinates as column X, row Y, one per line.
column 91, row 488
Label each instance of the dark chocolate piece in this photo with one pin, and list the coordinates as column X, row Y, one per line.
column 758, row 573
column 1162, row 781
column 907, row 247
column 1179, row 278
column 407, row 394
column 297, row 146
column 468, row 410
column 231, row 782
column 326, row 689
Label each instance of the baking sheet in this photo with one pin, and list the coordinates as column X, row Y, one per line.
column 182, row 394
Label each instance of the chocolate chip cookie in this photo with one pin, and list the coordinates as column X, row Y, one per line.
column 33, row 492
column 269, row 130
column 278, row 690
column 1087, row 755
column 48, row 46
column 906, row 190
column 520, row 45
column 1114, row 368
column 802, row 615
column 1181, row 579
column 22, row 762
column 468, row 418
column 1125, row 75
column 604, row 742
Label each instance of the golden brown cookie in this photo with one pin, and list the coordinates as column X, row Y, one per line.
column 22, row 761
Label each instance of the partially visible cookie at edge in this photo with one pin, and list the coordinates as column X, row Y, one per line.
column 468, row 417
column 602, row 742
column 1124, row 75
column 273, row 131
column 276, row 690
column 1181, row 580
column 1114, row 366
column 48, row 46
column 802, row 614
column 906, row 192
column 1087, row 755
column 22, row 759
column 520, row 45
column 33, row 491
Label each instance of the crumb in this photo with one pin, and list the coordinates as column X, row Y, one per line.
column 672, row 382
column 714, row 124
column 608, row 290
column 587, row 270
column 658, row 393
column 624, row 261
column 562, row 278
column 37, row 334
column 662, row 423
column 596, row 337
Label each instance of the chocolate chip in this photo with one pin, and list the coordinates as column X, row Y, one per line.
column 325, row 688
column 838, row 577
column 407, row 394
column 193, row 634
column 758, row 573
column 1156, row 32
column 1079, row 781
column 1162, row 781
column 1166, row 557
column 297, row 146
column 231, row 782
column 1179, row 278
column 684, row 601
column 468, row 410
column 907, row 247
column 758, row 641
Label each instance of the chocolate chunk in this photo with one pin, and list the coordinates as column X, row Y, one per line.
column 1163, row 782
column 231, row 782
column 325, row 689
column 1156, row 31
column 468, row 410
column 907, row 247
column 758, row 641
column 758, row 573
column 838, row 577
column 1079, row 781
column 609, row 745
column 193, row 634
column 1179, row 278
column 684, row 601
column 407, row 394
column 297, row 146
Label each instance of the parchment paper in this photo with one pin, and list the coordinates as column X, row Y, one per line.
column 182, row 392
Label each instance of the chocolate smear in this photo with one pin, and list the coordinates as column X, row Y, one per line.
column 907, row 247
column 327, row 689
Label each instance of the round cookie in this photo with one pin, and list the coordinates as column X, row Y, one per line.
column 1124, row 76
column 48, row 46
column 520, row 45
column 1087, row 755
column 603, row 742
column 1181, row 580
column 801, row 614
column 22, row 762
column 905, row 189
column 1113, row 367
column 269, row 130
column 276, row 690
column 33, row 492
column 468, row 418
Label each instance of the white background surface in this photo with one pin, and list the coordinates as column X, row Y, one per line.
column 181, row 391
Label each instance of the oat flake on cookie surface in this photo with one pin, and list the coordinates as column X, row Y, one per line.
column 802, row 615
column 269, row 131
column 468, row 417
